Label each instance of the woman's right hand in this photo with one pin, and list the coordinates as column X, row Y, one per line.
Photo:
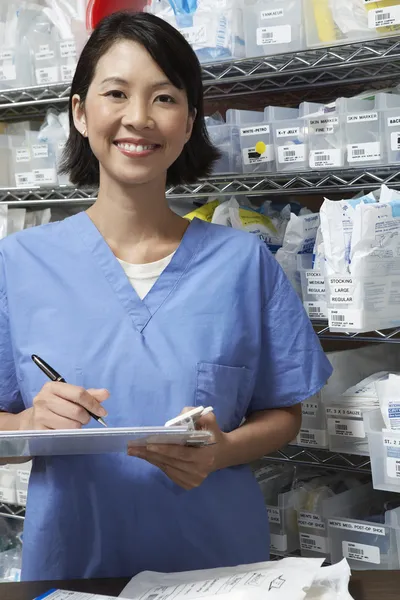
column 63, row 406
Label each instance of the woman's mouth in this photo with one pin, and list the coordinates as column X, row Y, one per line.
column 136, row 150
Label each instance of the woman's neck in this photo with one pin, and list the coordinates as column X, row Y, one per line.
column 137, row 222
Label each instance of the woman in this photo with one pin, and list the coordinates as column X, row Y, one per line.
column 144, row 313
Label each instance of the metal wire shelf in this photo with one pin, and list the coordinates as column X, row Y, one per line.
column 362, row 62
column 255, row 184
column 11, row 511
column 315, row 457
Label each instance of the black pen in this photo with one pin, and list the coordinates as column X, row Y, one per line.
column 54, row 376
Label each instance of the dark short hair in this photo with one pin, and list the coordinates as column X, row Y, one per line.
column 175, row 57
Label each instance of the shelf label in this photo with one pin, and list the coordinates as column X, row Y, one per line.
column 311, row 520
column 22, row 496
column 23, row 476
column 360, row 527
column 316, row 310
column 362, row 117
column 395, row 140
column 24, row 179
column 45, row 53
column 45, row 175
column 256, row 130
column 8, row 73
column 326, row 158
column 348, row 318
column 40, row 151
column 383, row 17
column 67, row 72
column 314, row 543
column 361, row 552
column 7, row 55
column 280, row 34
column 346, row 428
column 312, row 437
column 68, row 49
column 49, row 75
column 309, row 409
column 323, row 126
column 272, row 14
column 361, row 152
column 392, row 456
column 392, row 121
column 291, row 154
column 288, row 132
column 274, row 515
column 339, row 411
column 22, row 155
column 251, row 156
column 278, row 543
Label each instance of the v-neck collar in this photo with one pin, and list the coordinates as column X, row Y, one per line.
column 140, row 311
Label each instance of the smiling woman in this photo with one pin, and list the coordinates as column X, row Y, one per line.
column 141, row 74
column 146, row 314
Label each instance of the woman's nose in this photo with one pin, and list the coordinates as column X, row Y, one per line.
column 137, row 116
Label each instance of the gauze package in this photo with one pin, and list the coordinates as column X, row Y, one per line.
column 388, row 392
column 34, row 218
column 15, row 220
column 251, row 221
column 300, row 236
column 375, row 245
column 3, row 220
column 337, row 218
column 205, row 212
column 289, row 578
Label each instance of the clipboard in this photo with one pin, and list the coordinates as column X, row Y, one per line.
column 14, row 444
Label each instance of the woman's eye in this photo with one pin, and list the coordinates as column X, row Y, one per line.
column 165, row 98
column 115, row 94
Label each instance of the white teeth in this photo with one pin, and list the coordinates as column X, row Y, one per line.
column 134, row 147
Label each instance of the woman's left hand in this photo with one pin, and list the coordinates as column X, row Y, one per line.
column 186, row 466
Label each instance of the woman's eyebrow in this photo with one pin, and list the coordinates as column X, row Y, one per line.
column 121, row 81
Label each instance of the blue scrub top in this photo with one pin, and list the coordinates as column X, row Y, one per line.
column 222, row 326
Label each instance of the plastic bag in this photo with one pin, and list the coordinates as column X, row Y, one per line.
column 37, row 217
column 3, row 220
column 15, row 220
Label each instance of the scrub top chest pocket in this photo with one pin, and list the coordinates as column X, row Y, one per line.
column 226, row 389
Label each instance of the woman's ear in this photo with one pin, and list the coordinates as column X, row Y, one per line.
column 78, row 112
column 191, row 119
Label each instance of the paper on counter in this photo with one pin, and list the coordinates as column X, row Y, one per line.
column 289, row 578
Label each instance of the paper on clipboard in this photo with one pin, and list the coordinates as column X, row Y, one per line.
column 94, row 441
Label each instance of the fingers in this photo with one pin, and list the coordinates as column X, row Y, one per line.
column 77, row 395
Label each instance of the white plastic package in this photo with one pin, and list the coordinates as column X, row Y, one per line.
column 37, row 217
column 3, row 220
column 221, row 214
column 15, row 220
column 388, row 391
column 337, row 218
column 375, row 250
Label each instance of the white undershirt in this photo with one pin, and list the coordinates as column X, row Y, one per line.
column 143, row 277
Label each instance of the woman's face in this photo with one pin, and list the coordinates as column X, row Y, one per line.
column 137, row 122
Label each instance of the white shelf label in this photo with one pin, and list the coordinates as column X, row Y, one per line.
column 383, row 17
column 361, row 552
column 361, row 527
column 8, row 495
column 315, row 543
column 195, row 35
column 323, row 126
column 395, row 140
column 392, row 121
column 8, row 73
column 45, row 53
column 312, row 437
column 392, row 456
column 49, row 75
column 278, row 542
column 22, row 496
column 24, row 179
column 23, row 476
column 274, row 515
column 68, row 49
column 361, row 152
column 309, row 409
column 40, row 151
column 310, row 520
column 346, row 428
column 339, row 411
column 362, row 117
column 22, row 155
column 256, row 130
column 67, row 72
column 345, row 318
column 45, row 175
column 326, row 158
column 316, row 310
column 251, row 156
column 291, row 154
column 280, row 34
column 7, row 55
column 288, row 132
column 272, row 14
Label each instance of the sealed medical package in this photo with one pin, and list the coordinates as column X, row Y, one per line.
column 388, row 391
